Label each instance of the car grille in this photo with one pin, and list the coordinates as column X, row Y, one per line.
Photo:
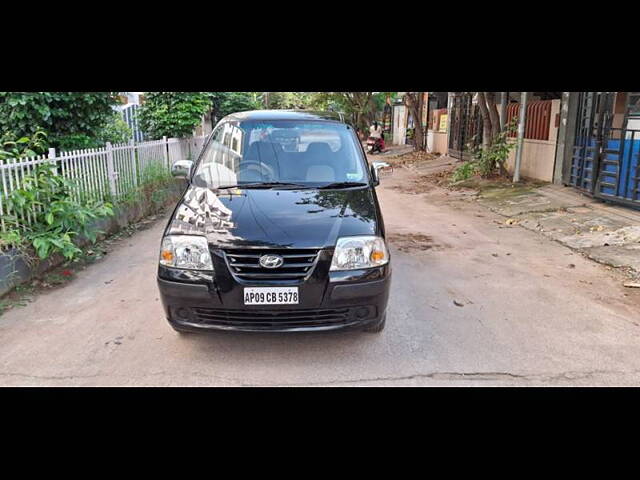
column 245, row 263
column 272, row 318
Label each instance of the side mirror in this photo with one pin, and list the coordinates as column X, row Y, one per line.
column 380, row 169
column 182, row 169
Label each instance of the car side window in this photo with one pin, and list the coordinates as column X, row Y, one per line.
column 212, row 155
column 213, row 148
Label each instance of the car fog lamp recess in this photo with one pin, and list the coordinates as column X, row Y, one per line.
column 353, row 253
column 189, row 252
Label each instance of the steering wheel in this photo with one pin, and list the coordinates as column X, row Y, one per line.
column 265, row 171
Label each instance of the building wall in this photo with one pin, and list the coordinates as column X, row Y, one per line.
column 440, row 143
column 399, row 124
column 437, row 137
column 539, row 156
column 538, row 159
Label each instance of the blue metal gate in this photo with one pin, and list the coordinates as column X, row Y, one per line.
column 594, row 113
column 619, row 176
column 605, row 160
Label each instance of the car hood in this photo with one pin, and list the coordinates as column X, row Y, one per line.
column 275, row 218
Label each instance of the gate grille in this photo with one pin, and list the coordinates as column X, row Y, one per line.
column 466, row 126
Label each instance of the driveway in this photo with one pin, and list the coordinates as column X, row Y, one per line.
column 473, row 302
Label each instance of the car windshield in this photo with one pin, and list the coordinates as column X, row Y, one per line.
column 281, row 154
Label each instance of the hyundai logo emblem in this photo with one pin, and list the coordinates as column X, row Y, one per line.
column 271, row 261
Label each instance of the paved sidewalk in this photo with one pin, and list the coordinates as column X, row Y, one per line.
column 605, row 233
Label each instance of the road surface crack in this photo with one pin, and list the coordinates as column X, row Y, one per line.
column 487, row 376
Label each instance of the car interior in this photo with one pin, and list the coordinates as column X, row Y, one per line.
column 317, row 164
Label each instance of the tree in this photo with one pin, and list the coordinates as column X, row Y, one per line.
column 415, row 103
column 492, row 155
column 173, row 114
column 360, row 107
column 490, row 118
column 224, row 103
column 289, row 100
column 69, row 118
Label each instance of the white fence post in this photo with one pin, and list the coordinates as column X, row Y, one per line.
column 111, row 170
column 52, row 158
column 165, row 151
column 132, row 144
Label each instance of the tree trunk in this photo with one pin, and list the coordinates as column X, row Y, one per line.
column 493, row 114
column 496, row 126
column 487, row 130
column 414, row 101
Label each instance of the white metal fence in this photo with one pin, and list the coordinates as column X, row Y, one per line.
column 97, row 173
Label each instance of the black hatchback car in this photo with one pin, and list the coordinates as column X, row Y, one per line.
column 279, row 230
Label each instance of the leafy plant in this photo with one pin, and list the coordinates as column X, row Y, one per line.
column 76, row 115
column 57, row 219
column 174, row 114
column 464, row 171
column 153, row 187
column 78, row 141
column 24, row 146
column 116, row 131
column 225, row 103
column 493, row 158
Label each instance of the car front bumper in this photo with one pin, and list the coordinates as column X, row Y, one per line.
column 344, row 300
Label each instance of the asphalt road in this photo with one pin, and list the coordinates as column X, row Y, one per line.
column 473, row 302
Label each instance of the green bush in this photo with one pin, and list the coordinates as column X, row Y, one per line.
column 493, row 158
column 57, row 219
column 172, row 114
column 153, row 187
column 69, row 118
column 116, row 131
column 10, row 147
column 464, row 171
column 78, row 141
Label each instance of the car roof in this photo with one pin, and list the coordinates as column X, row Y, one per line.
column 268, row 115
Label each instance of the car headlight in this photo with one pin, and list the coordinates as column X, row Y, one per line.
column 186, row 251
column 352, row 253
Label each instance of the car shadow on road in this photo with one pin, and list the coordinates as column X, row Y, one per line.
column 302, row 346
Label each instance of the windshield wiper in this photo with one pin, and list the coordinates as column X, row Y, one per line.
column 264, row 185
column 342, row 185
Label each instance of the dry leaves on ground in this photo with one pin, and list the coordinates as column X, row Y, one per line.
column 412, row 157
column 410, row 242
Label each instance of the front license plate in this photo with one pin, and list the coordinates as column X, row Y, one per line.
column 271, row 296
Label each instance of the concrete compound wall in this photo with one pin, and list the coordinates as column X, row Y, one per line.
column 440, row 143
column 538, row 159
column 14, row 270
column 538, row 156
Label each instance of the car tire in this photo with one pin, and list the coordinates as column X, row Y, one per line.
column 378, row 327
